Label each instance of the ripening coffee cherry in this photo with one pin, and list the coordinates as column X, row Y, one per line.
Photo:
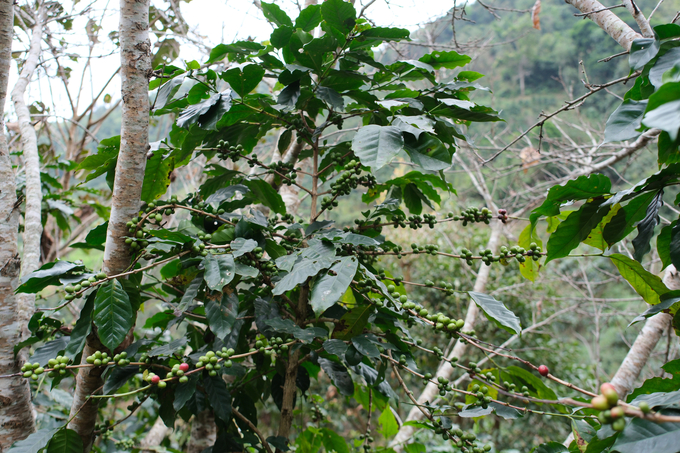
column 600, row 403
column 184, row 367
column 543, row 370
column 609, row 393
column 644, row 407
column 155, row 379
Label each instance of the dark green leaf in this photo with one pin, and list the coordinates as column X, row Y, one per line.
column 497, row 312
column 581, row 188
column 372, row 378
column 212, row 117
column 377, row 145
column 336, row 347
column 667, row 300
column 49, row 274
column 353, row 322
column 190, row 293
column 82, row 329
column 309, row 18
column 289, row 327
column 264, row 311
column 428, row 152
column 339, row 14
column 550, row 447
column 339, row 376
column 219, row 397
column 240, row 47
column 184, row 392
column 332, row 97
column 275, row 14
column 156, row 176
column 65, row 441
column 647, row 436
column 574, row 229
column 331, row 286
column 312, row 260
column 448, row 60
column 674, row 245
column 33, row 443
column 663, row 244
column 664, row 63
column 624, row 122
column 665, row 117
column 289, row 95
column 366, row 344
column 265, row 194
column 113, row 314
column 219, row 271
column 646, row 284
column 642, row 51
column 118, row 377
column 244, row 80
column 626, row 218
column 222, row 314
column 49, row 350
column 169, row 348
column 241, row 246
column 646, row 228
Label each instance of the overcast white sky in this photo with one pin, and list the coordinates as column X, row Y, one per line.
column 215, row 21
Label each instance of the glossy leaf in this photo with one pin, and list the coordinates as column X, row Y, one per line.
column 265, row 194
column 113, row 314
column 222, row 314
column 624, row 121
column 65, row 441
column 529, row 268
column 219, row 271
column 339, row 14
column 497, row 312
column 626, row 218
column 190, row 293
column 219, row 397
column 339, row 376
column 118, row 377
column 376, row 146
column 646, row 284
column 574, row 229
column 81, row 330
column 309, row 18
column 645, row 228
column 34, row 442
column 244, row 80
column 49, row 350
column 642, row 51
column 643, row 435
column 331, row 286
column 581, row 188
column 275, row 14
column 49, row 274
column 550, row 447
column 448, row 60
column 156, row 176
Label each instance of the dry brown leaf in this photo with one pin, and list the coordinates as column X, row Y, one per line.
column 529, row 156
column 534, row 15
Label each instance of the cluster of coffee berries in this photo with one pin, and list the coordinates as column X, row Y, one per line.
column 511, row 387
column 286, row 170
column 58, row 366
column 473, row 215
column 212, row 363
column 227, row 151
column 474, row 368
column 178, row 370
column 416, row 221
column 71, row 290
column 98, row 359
column 431, row 249
column 443, row 322
column 154, row 379
column 158, row 217
column 32, row 370
column 368, row 439
column 444, row 385
column 503, row 215
column 125, row 444
column 610, row 413
column 481, row 393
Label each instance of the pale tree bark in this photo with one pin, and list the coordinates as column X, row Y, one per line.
column 640, row 18
column 607, row 21
column 431, row 391
column 30, row 257
column 127, row 189
column 203, row 432
column 16, row 411
column 154, row 436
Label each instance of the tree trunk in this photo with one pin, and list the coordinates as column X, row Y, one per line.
column 30, row 257
column 203, row 432
column 127, row 189
column 445, row 369
column 607, row 21
column 16, row 411
column 154, row 436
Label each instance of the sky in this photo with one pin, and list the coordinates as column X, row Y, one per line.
column 213, row 21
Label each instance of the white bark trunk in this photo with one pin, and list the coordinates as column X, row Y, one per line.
column 30, row 258
column 125, row 204
column 445, row 369
column 640, row 18
column 154, row 436
column 203, row 432
column 16, row 411
column 607, row 21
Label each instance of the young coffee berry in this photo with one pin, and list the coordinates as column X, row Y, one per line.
column 619, row 425
column 609, row 392
column 600, row 403
column 162, row 384
column 644, row 407
column 543, row 370
column 183, row 380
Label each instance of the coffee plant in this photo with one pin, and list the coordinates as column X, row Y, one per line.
column 261, row 298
